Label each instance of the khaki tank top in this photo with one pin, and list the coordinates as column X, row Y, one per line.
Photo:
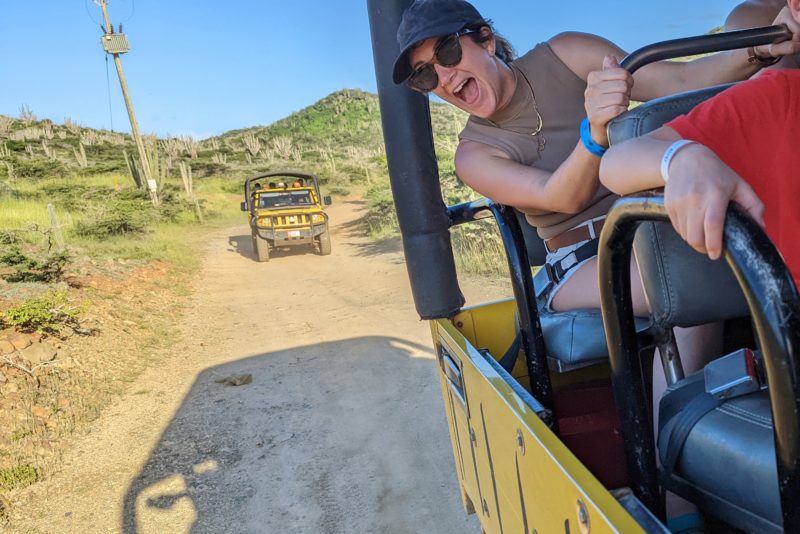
column 559, row 99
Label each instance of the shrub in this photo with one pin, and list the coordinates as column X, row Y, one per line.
column 173, row 204
column 46, row 313
column 126, row 212
column 29, row 269
column 17, row 477
column 38, row 168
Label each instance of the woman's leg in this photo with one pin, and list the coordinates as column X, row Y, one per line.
column 581, row 290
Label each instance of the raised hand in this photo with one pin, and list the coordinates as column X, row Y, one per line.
column 785, row 48
column 607, row 95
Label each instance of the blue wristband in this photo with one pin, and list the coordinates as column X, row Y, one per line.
column 588, row 142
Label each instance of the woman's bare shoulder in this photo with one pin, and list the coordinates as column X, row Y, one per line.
column 469, row 150
column 753, row 13
column 582, row 52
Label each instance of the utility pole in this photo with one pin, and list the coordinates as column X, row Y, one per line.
column 116, row 44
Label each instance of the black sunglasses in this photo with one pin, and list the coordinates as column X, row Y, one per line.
column 447, row 53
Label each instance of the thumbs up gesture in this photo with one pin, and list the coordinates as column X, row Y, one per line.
column 607, row 94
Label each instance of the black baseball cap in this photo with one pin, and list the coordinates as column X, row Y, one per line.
column 429, row 18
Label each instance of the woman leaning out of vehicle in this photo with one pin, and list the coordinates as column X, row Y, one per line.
column 537, row 125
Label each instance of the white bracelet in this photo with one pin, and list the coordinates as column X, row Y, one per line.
column 669, row 154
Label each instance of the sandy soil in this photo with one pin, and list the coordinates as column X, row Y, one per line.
column 342, row 429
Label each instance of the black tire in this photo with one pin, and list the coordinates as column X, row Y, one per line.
column 325, row 242
column 261, row 249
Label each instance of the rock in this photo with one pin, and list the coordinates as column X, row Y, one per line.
column 19, row 340
column 39, row 353
column 40, row 412
column 236, row 380
column 6, row 347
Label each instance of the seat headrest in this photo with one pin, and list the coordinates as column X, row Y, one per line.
column 683, row 287
column 652, row 115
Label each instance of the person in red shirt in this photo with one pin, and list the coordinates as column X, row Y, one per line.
column 742, row 147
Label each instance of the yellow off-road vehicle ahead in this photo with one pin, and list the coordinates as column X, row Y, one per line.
column 285, row 209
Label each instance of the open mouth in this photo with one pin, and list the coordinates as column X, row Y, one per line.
column 467, row 91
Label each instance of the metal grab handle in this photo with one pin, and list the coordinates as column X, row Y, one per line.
column 703, row 44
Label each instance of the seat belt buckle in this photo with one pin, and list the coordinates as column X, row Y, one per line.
column 733, row 375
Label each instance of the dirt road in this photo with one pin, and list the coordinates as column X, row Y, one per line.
column 341, row 430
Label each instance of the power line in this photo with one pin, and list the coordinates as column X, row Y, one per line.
column 108, row 85
column 133, row 11
column 89, row 14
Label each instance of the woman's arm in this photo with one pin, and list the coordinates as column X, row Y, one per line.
column 490, row 172
column 580, row 52
column 635, row 165
column 699, row 190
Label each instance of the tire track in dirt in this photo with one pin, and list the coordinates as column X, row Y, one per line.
column 341, row 430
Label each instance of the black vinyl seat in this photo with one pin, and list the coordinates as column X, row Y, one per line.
column 576, row 338
column 727, row 463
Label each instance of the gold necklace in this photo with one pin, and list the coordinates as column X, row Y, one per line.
column 537, row 132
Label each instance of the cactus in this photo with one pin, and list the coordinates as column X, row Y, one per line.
column 155, row 162
column 81, row 156
column 26, row 115
column 133, row 168
column 5, row 124
column 252, row 144
column 282, row 146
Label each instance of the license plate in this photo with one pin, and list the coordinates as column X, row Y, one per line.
column 294, row 233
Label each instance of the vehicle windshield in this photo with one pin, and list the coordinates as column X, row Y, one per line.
column 284, row 198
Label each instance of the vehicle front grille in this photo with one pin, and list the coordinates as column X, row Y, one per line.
column 292, row 220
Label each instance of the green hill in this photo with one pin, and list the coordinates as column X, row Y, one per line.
column 338, row 137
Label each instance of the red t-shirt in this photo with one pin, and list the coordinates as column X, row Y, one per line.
column 754, row 127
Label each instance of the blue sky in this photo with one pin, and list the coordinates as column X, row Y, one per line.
column 203, row 67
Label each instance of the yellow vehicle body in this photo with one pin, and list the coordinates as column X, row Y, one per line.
column 514, row 472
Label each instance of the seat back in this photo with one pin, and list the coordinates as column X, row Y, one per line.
column 682, row 286
column 533, row 243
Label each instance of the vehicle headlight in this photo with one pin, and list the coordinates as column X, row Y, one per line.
column 265, row 221
column 317, row 218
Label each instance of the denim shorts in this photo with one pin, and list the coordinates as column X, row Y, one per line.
column 557, row 256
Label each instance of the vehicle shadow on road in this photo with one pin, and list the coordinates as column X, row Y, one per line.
column 243, row 245
column 345, row 436
column 356, row 234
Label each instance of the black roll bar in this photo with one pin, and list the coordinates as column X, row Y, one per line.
column 775, row 307
column 703, row 44
column 270, row 174
column 413, row 173
column 522, row 284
